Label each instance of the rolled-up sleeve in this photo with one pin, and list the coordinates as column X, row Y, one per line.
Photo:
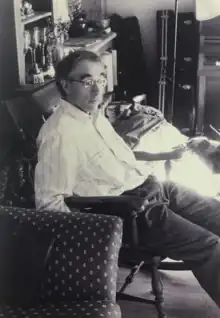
column 55, row 172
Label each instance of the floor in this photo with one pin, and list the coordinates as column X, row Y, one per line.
column 184, row 298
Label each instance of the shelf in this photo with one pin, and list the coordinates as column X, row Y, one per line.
column 31, row 88
column 93, row 43
column 35, row 17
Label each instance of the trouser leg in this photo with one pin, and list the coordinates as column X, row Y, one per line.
column 191, row 234
column 198, row 209
column 205, row 212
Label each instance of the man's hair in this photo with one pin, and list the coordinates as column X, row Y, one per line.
column 69, row 63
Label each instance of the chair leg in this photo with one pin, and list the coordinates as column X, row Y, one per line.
column 157, row 288
column 129, row 279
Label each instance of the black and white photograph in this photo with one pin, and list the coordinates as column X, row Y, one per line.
column 110, row 158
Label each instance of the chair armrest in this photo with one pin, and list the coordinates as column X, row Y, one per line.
column 110, row 205
column 91, row 202
column 83, row 261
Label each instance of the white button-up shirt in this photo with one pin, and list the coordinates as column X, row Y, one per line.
column 80, row 155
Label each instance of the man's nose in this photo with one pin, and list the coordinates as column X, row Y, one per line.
column 96, row 87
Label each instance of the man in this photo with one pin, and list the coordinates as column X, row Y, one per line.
column 80, row 154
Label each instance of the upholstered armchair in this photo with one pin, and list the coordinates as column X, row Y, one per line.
column 55, row 264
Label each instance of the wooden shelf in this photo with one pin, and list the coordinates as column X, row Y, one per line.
column 31, row 88
column 98, row 44
column 14, row 24
column 35, row 17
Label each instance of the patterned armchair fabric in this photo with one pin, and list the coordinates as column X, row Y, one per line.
column 84, row 309
column 79, row 265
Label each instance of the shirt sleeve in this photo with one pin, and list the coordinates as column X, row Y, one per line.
column 55, row 172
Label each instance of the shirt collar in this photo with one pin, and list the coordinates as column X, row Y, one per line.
column 74, row 111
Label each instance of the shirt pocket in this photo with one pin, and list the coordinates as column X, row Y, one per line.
column 100, row 159
column 107, row 169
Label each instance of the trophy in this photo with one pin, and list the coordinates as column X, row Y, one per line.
column 26, row 9
column 43, row 43
column 36, row 74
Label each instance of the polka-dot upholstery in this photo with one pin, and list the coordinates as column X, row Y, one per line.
column 82, row 265
column 69, row 309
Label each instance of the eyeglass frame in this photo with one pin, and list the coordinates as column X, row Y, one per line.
column 93, row 81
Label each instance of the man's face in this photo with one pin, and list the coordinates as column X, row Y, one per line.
column 86, row 85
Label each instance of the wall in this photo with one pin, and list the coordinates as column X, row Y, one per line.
column 145, row 10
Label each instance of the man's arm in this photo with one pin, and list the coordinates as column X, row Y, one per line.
column 55, row 173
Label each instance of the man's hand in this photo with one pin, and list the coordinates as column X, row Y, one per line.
column 143, row 196
column 139, row 204
column 176, row 153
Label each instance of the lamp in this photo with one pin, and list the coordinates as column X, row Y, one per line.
column 205, row 10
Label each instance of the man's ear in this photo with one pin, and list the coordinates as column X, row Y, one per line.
column 65, row 86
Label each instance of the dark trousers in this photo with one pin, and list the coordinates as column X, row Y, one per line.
column 188, row 231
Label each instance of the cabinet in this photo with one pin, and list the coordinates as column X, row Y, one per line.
column 13, row 25
column 101, row 45
column 209, row 77
column 208, row 93
column 13, row 80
